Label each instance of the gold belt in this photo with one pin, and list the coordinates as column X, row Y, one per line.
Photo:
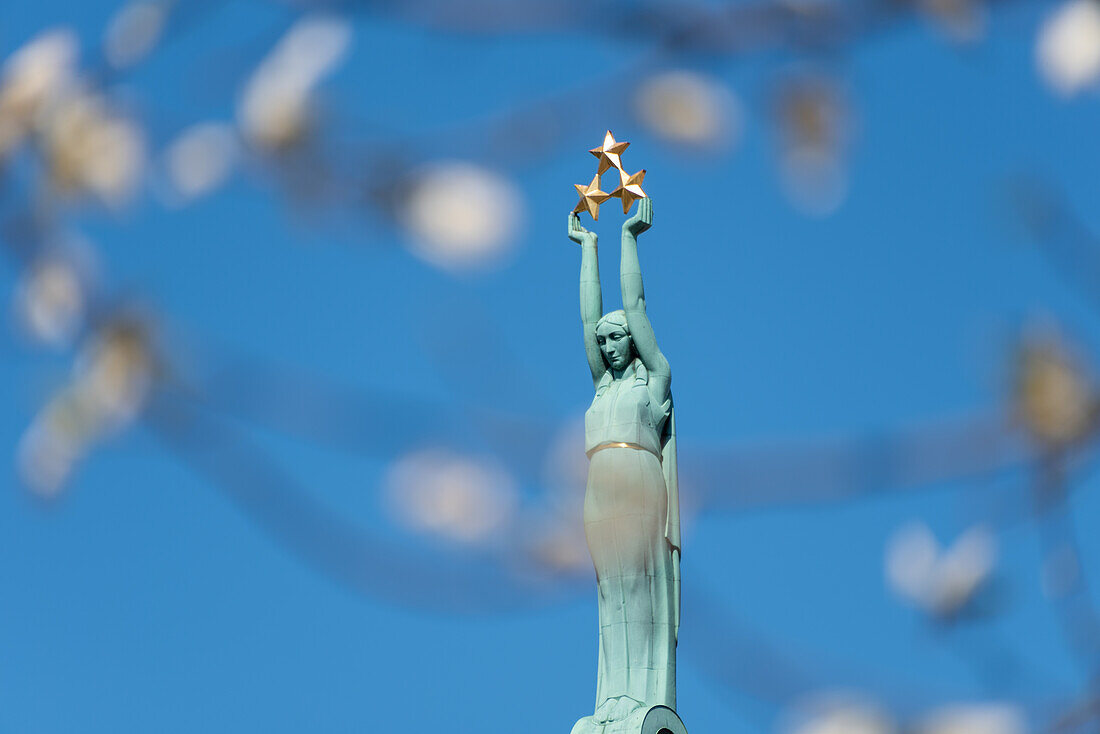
column 620, row 445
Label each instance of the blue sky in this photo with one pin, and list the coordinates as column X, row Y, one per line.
column 144, row 599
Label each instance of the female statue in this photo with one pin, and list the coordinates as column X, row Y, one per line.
column 631, row 517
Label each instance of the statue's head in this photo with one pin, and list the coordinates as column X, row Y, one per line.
column 613, row 336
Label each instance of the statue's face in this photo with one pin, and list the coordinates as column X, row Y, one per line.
column 616, row 345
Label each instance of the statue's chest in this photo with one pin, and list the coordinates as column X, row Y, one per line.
column 619, row 403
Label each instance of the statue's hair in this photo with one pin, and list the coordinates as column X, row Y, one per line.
column 618, row 318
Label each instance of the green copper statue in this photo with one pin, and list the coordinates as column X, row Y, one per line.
column 631, row 506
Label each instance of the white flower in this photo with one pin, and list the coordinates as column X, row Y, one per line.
column 274, row 107
column 31, row 77
column 1053, row 396
column 814, row 126
column 455, row 496
column 940, row 581
column 133, row 32
column 839, row 713
column 690, row 108
column 461, row 215
column 814, row 179
column 975, row 718
column 200, row 159
column 1068, row 48
column 108, row 389
column 90, row 148
column 50, row 301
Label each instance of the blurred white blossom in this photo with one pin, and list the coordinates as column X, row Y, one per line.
column 974, row 718
column 200, row 159
column 457, row 497
column 814, row 128
column 274, row 109
column 115, row 372
column 690, row 108
column 461, row 215
column 32, row 77
column 90, row 148
column 838, row 713
column 134, row 31
column 50, row 300
column 942, row 581
column 107, row 391
column 51, row 446
column 815, row 180
column 558, row 544
column 1053, row 398
column 1068, row 47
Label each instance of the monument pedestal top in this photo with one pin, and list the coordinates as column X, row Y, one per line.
column 655, row 720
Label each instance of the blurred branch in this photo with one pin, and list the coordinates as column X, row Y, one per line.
column 1065, row 578
column 1060, row 235
column 348, row 553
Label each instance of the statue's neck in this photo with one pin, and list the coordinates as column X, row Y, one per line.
column 618, row 374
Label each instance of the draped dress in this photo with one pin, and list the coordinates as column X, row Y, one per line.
column 626, row 511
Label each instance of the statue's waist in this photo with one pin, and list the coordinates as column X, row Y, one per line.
column 632, row 432
column 621, row 445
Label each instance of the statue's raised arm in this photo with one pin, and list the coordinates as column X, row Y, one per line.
column 645, row 343
column 591, row 295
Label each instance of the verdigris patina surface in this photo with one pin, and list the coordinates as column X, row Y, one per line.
column 631, row 515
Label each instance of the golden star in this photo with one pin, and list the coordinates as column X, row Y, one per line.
column 629, row 189
column 591, row 197
column 608, row 154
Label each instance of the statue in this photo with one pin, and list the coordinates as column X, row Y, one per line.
column 631, row 515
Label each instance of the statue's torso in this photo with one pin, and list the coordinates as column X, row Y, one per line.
column 623, row 410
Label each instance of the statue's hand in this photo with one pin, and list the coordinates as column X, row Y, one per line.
column 579, row 234
column 642, row 218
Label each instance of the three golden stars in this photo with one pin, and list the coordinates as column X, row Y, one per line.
column 629, row 189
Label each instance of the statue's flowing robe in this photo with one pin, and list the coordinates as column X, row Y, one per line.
column 631, row 519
